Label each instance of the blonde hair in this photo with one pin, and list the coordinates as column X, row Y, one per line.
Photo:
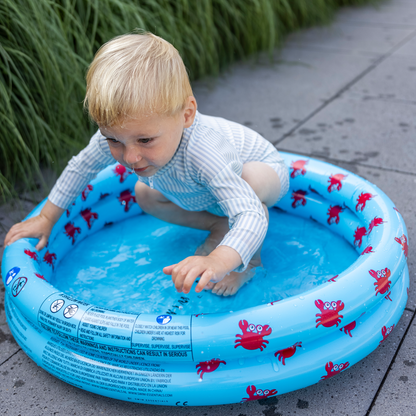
column 133, row 75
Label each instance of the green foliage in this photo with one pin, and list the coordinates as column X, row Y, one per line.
column 47, row 45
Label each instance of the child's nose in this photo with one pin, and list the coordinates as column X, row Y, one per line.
column 132, row 155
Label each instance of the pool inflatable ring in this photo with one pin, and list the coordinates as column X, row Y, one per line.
column 207, row 359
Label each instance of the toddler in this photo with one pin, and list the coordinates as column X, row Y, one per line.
column 193, row 170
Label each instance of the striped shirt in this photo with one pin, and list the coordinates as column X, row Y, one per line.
column 203, row 175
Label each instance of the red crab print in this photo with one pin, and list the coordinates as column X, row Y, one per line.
column 329, row 315
column 362, row 200
column 359, row 233
column 89, row 216
column 275, row 301
column 125, row 198
column 383, row 283
column 332, row 370
column 287, row 352
column 299, row 168
column 68, row 211
column 252, row 338
column 102, row 196
column 31, row 254
column 348, row 328
column 298, row 198
column 375, row 222
column 40, row 276
column 386, row 332
column 367, row 250
column 335, row 182
column 333, row 214
column 208, row 366
column 313, row 190
column 86, row 191
column 396, row 210
column 71, row 231
column 256, row 394
column 403, row 241
column 121, row 171
column 49, row 258
column 332, row 279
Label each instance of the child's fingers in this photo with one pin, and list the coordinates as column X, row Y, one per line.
column 203, row 281
column 169, row 269
column 42, row 243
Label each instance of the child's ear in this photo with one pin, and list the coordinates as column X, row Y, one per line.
column 189, row 111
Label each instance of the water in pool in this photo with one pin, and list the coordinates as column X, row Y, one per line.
column 120, row 266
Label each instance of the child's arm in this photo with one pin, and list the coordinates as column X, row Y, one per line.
column 80, row 170
column 213, row 268
column 36, row 227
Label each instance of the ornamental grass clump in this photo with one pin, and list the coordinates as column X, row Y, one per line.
column 47, row 45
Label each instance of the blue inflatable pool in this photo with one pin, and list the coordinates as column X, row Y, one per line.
column 215, row 358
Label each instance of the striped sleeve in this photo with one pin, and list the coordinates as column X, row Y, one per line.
column 219, row 169
column 81, row 169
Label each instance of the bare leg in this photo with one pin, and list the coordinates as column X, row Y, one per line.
column 266, row 184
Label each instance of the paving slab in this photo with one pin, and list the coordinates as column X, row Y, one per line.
column 344, row 36
column 375, row 132
column 273, row 98
column 398, row 394
column 393, row 79
column 388, row 13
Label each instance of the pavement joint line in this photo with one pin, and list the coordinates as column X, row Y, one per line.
column 375, row 24
column 5, row 361
column 351, row 162
column 348, row 85
column 391, row 100
column 390, row 367
column 409, row 310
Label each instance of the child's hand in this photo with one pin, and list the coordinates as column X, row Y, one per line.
column 211, row 268
column 36, row 227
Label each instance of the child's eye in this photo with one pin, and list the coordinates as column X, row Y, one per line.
column 112, row 141
column 145, row 141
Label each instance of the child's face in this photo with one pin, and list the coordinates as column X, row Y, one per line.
column 147, row 143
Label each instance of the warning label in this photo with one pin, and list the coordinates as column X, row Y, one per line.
column 137, row 380
column 142, row 335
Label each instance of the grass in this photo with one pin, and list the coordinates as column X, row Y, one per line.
column 46, row 46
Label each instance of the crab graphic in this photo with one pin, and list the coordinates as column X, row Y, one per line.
column 89, row 216
column 332, row 370
column 287, row 352
column 386, row 331
column 208, row 366
column 299, row 168
column 313, row 190
column 403, row 241
column 105, row 195
column 121, row 171
column 383, row 283
column 335, row 182
column 359, row 233
column 252, row 337
column 368, row 249
column 86, row 191
column 375, row 222
column 125, row 198
column 332, row 279
column 329, row 315
column 256, row 394
column 49, row 258
column 348, row 328
column 40, row 276
column 333, row 214
column 71, row 231
column 31, row 254
column 298, row 198
column 362, row 199
column 68, row 211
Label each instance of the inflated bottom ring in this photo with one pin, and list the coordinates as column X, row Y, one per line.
column 240, row 356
